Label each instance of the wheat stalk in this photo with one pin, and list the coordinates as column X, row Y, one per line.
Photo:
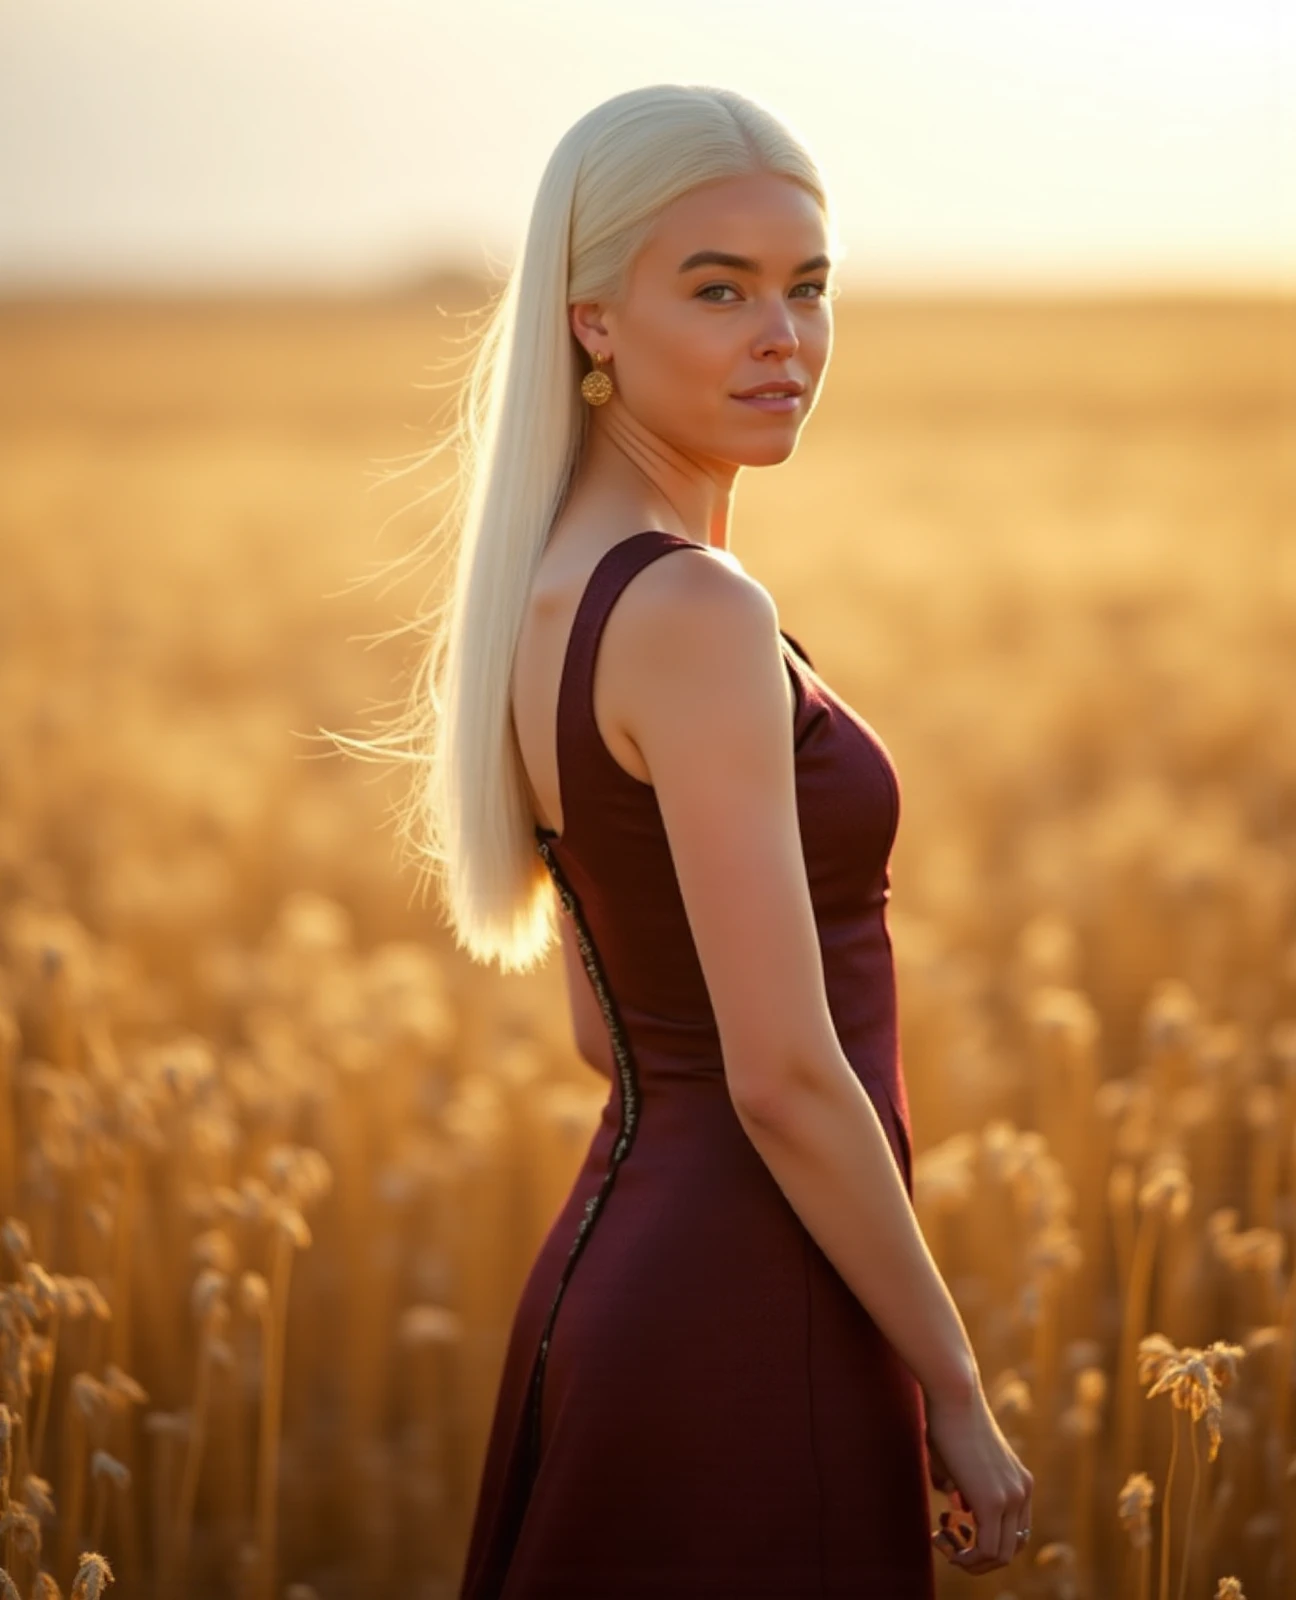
column 212, row 1314
column 1194, row 1379
column 1133, row 1507
column 92, row 1578
column 289, row 1232
column 1166, row 1193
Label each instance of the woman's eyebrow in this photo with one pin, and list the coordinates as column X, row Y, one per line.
column 722, row 258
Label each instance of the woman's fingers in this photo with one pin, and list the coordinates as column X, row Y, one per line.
column 1021, row 1520
column 1009, row 1543
column 957, row 1533
column 979, row 1547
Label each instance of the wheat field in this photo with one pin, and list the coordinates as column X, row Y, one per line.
column 274, row 1159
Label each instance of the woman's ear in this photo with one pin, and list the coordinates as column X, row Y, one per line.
column 585, row 319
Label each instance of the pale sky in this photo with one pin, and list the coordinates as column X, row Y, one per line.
column 345, row 143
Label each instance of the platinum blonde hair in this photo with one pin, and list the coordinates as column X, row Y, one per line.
column 520, row 431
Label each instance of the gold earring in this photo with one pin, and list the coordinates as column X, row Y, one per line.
column 596, row 386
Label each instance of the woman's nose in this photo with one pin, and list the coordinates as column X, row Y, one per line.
column 778, row 331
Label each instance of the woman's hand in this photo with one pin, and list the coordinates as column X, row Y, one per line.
column 972, row 1462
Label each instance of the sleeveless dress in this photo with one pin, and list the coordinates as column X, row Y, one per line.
column 693, row 1405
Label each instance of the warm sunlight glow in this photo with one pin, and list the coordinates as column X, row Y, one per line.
column 1006, row 144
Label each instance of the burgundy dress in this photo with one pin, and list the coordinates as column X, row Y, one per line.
column 693, row 1404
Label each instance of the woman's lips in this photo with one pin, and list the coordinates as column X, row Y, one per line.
column 782, row 402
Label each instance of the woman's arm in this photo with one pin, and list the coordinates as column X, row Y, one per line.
column 589, row 1030
column 691, row 661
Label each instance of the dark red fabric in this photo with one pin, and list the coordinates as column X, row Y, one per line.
column 719, row 1417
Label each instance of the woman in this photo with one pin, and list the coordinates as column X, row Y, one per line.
column 735, row 1367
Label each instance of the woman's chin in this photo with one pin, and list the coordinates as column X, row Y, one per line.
column 766, row 452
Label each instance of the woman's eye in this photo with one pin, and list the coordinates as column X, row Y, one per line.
column 821, row 287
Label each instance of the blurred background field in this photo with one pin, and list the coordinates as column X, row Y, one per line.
column 1043, row 545
column 274, row 1159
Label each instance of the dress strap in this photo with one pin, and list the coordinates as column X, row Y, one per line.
column 799, row 648
column 585, row 764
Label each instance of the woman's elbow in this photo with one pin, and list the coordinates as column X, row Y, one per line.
column 764, row 1086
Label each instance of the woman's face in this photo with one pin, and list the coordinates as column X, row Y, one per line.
column 692, row 332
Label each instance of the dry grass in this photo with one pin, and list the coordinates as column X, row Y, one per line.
column 275, row 1161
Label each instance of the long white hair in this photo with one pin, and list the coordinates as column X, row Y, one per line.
column 521, row 427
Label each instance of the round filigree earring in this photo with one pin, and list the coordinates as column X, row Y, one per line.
column 596, row 386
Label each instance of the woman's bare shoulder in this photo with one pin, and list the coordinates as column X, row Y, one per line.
column 698, row 589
